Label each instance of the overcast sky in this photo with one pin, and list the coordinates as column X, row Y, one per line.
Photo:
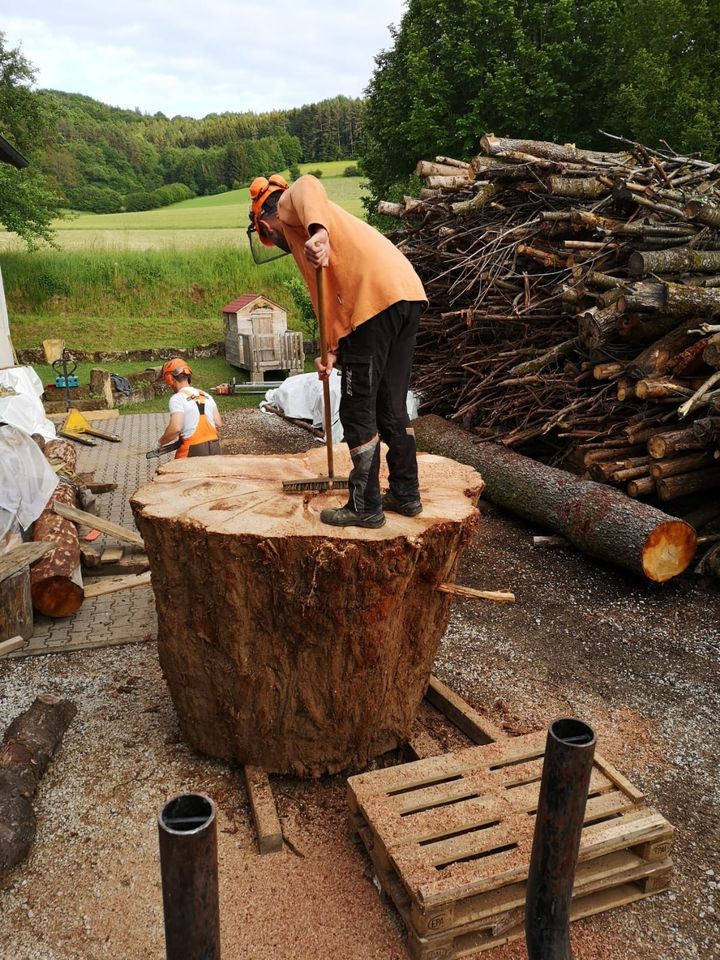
column 195, row 57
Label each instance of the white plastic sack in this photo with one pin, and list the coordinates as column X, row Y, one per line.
column 302, row 397
column 25, row 410
column 26, row 478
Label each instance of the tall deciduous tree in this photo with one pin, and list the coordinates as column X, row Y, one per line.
column 27, row 203
column 543, row 69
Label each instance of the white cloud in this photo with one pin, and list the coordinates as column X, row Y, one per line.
column 181, row 57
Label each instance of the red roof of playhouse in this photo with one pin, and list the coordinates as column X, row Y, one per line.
column 245, row 300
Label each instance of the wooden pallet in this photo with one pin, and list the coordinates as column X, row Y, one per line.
column 450, row 839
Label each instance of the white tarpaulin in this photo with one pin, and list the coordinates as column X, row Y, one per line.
column 26, row 478
column 7, row 358
column 25, row 410
column 301, row 397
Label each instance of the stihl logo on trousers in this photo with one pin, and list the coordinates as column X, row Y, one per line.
column 348, row 382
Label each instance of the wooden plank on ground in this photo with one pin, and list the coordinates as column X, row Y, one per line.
column 113, row 584
column 112, row 554
column 14, row 643
column 131, row 563
column 23, row 555
column 90, row 556
column 267, row 823
column 478, row 728
column 98, row 523
column 90, row 415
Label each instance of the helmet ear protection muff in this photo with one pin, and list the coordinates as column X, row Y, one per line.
column 174, row 369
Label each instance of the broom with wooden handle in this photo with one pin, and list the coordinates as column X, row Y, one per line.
column 330, row 482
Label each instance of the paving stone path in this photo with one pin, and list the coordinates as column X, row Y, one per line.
column 127, row 616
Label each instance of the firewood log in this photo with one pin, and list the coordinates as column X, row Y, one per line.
column 677, row 465
column 597, row 519
column 56, row 581
column 675, row 260
column 684, row 484
column 28, row 744
column 664, row 444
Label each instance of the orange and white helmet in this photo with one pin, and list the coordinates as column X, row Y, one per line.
column 174, row 369
column 260, row 189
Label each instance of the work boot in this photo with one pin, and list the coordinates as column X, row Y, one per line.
column 408, row 508
column 347, row 517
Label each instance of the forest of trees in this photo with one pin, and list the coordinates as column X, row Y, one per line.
column 107, row 159
column 546, row 69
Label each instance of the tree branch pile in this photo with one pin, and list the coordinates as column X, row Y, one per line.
column 575, row 308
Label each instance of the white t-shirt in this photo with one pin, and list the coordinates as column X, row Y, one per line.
column 183, row 402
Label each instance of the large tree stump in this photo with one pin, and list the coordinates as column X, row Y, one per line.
column 288, row 644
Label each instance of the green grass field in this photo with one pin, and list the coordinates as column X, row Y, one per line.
column 203, row 221
column 208, row 372
column 152, row 279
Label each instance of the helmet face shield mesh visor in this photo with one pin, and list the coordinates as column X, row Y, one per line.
column 260, row 253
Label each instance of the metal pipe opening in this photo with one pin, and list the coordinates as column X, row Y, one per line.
column 567, row 767
column 187, row 832
column 187, row 812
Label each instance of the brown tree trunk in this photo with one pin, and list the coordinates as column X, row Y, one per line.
column 56, row 581
column 286, row 643
column 687, row 483
column 664, row 444
column 550, row 151
column 675, row 299
column 711, row 353
column 427, row 168
column 28, row 744
column 599, row 520
column 655, row 359
column 675, row 260
column 581, row 188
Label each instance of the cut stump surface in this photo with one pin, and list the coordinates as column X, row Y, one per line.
column 288, row 644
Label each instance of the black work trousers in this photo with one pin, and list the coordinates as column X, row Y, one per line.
column 376, row 361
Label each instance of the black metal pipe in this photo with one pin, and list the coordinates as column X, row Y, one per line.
column 188, row 864
column 561, row 809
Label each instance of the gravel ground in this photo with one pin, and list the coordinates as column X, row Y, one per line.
column 637, row 662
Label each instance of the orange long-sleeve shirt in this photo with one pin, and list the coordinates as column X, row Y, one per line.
column 366, row 273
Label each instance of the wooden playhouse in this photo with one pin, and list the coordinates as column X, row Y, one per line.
column 257, row 338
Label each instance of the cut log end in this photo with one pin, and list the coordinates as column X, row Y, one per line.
column 57, row 596
column 668, row 550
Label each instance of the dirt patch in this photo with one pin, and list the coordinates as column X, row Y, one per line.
column 638, row 662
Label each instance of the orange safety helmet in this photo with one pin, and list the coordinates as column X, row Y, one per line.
column 260, row 189
column 173, row 369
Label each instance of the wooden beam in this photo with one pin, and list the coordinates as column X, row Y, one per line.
column 84, row 519
column 267, row 823
column 499, row 596
column 112, row 554
column 14, row 643
column 113, row 584
column 473, row 724
column 23, row 555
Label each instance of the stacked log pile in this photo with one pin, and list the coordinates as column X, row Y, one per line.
column 573, row 303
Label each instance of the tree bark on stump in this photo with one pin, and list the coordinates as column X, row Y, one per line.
column 286, row 643
column 28, row 744
column 599, row 520
column 56, row 581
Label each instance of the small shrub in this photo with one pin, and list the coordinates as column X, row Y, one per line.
column 352, row 171
column 294, row 171
column 142, row 201
column 315, row 173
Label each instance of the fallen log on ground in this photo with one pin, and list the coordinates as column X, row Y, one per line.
column 28, row 744
column 56, row 581
column 600, row 521
column 310, row 647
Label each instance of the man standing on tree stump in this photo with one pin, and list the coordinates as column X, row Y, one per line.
column 374, row 299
